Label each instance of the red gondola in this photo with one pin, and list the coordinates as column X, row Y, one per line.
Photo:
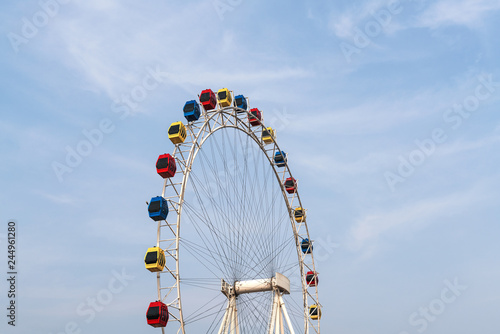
column 157, row 314
column 291, row 185
column 312, row 278
column 165, row 166
column 255, row 118
column 208, row 99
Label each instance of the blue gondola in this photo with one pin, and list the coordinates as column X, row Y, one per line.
column 241, row 102
column 307, row 246
column 192, row 111
column 158, row 208
column 280, row 159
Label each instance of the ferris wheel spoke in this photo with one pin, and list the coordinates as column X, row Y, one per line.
column 265, row 212
column 204, row 312
column 221, row 240
column 220, row 236
column 255, row 317
column 239, row 239
column 206, row 242
column 202, row 219
column 217, row 320
column 221, row 207
column 206, row 259
column 219, row 232
column 296, row 310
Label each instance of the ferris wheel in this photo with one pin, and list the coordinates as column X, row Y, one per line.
column 233, row 252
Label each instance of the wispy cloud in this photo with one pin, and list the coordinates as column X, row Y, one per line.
column 38, row 140
column 240, row 77
column 366, row 233
column 469, row 13
column 57, row 199
column 433, row 15
column 461, row 146
column 114, row 231
column 112, row 62
column 343, row 23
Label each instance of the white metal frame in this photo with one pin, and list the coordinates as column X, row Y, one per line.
column 279, row 285
column 168, row 236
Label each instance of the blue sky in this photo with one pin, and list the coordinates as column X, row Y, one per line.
column 393, row 142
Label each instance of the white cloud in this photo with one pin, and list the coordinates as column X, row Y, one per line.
column 461, row 146
column 469, row 13
column 102, row 5
column 365, row 235
column 57, row 199
column 205, row 77
column 35, row 140
column 343, row 24
column 462, row 12
column 196, row 52
column 379, row 114
column 118, row 231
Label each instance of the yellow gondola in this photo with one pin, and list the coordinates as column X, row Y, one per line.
column 300, row 215
column 268, row 135
column 177, row 133
column 155, row 259
column 315, row 312
column 224, row 97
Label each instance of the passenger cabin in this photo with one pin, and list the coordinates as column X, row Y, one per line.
column 299, row 215
column 155, row 259
column 165, row 166
column 158, row 208
column 291, row 185
column 315, row 312
column 192, row 111
column 157, row 314
column 306, row 246
column 312, row 278
column 268, row 135
column 208, row 99
column 177, row 133
column 224, row 97
column 241, row 102
column 280, row 159
column 255, row 117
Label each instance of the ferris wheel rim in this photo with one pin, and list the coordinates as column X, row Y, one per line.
column 196, row 146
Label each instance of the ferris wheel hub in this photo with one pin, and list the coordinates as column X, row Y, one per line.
column 279, row 282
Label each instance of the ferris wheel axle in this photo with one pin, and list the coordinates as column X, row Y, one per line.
column 279, row 282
